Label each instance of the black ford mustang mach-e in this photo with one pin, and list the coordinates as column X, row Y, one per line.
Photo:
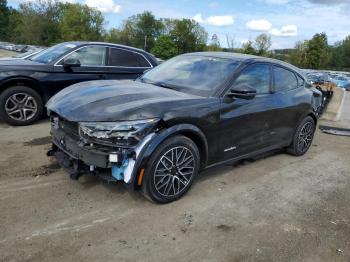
column 191, row 112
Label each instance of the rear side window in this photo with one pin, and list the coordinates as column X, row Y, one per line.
column 119, row 57
column 256, row 76
column 284, row 79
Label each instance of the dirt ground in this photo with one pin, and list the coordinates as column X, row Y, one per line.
column 5, row 53
column 280, row 208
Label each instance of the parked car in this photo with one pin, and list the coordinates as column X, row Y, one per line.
column 27, row 84
column 341, row 81
column 189, row 113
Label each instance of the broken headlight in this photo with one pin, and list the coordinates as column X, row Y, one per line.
column 124, row 133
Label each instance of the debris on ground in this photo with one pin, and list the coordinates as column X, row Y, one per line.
column 335, row 130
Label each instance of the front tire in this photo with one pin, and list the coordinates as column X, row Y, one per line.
column 171, row 170
column 20, row 106
column 303, row 137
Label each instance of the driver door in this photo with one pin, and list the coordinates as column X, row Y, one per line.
column 93, row 66
column 247, row 124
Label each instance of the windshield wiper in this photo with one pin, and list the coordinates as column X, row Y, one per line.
column 143, row 80
column 160, row 84
column 165, row 85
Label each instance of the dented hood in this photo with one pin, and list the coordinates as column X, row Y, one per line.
column 116, row 100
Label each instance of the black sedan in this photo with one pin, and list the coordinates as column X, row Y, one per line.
column 27, row 84
column 191, row 112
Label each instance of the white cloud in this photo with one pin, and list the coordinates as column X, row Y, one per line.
column 261, row 25
column 219, row 20
column 105, row 6
column 288, row 30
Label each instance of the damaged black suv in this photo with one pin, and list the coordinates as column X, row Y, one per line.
column 192, row 112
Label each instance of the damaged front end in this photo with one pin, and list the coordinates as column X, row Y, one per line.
column 109, row 150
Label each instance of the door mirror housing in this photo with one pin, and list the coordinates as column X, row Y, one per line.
column 242, row 91
column 71, row 62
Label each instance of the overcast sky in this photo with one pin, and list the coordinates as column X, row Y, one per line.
column 287, row 21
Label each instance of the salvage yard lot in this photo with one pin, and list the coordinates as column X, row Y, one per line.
column 280, row 208
column 5, row 53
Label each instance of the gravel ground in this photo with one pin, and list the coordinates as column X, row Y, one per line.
column 6, row 53
column 280, row 208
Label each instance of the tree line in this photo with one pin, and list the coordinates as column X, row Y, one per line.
column 47, row 22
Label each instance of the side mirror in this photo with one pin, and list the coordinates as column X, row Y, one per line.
column 71, row 62
column 242, row 91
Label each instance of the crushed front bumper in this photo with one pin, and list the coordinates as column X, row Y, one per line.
column 78, row 151
column 111, row 164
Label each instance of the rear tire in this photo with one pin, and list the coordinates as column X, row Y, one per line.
column 171, row 170
column 20, row 106
column 303, row 137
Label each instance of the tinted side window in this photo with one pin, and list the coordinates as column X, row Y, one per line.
column 257, row 76
column 118, row 57
column 284, row 79
column 90, row 56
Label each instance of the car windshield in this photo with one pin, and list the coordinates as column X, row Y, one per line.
column 52, row 53
column 197, row 75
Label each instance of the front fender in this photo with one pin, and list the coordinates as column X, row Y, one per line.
column 157, row 139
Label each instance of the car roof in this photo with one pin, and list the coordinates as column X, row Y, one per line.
column 107, row 44
column 244, row 58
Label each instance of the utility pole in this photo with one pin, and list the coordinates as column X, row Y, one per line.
column 145, row 45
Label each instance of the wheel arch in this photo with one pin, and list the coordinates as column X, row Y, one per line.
column 314, row 117
column 188, row 130
column 23, row 81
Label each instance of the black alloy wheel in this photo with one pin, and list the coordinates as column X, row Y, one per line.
column 173, row 166
column 303, row 137
column 20, row 105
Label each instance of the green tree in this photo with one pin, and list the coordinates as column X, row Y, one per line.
column 139, row 30
column 4, row 20
column 165, row 47
column 340, row 55
column 298, row 55
column 113, row 36
column 248, row 48
column 336, row 60
column 345, row 52
column 262, row 44
column 80, row 22
column 143, row 30
column 147, row 29
column 214, row 44
column 317, row 51
column 124, row 35
column 188, row 35
column 39, row 22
